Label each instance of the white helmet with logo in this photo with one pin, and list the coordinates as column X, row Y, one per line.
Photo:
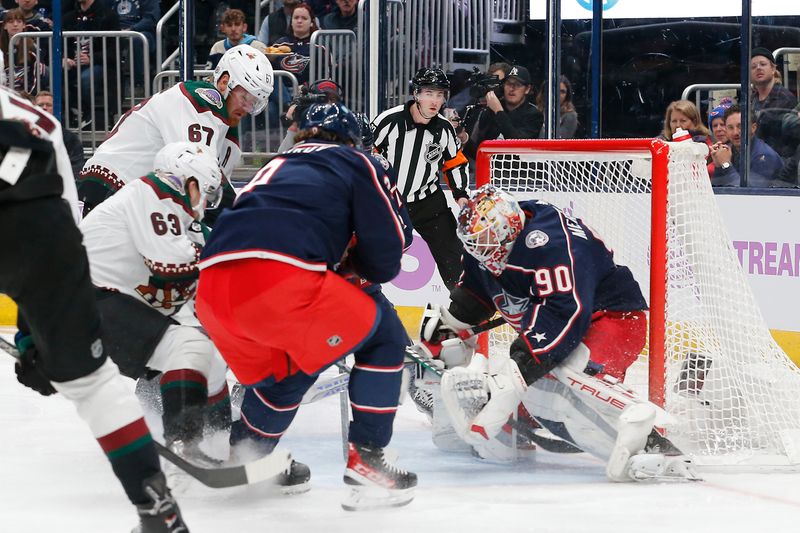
column 250, row 69
column 178, row 162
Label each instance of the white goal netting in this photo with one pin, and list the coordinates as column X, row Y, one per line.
column 734, row 392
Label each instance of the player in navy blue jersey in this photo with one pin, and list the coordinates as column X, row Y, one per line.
column 274, row 297
column 581, row 322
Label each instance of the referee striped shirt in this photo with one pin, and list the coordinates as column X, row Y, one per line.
column 420, row 152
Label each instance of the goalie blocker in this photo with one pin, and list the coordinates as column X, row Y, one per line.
column 555, row 282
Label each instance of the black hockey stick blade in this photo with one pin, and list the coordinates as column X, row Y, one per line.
column 553, row 445
column 9, row 348
column 231, row 476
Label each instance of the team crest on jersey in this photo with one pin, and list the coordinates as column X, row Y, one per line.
column 382, row 160
column 536, row 239
column 511, row 307
column 211, row 96
column 433, row 151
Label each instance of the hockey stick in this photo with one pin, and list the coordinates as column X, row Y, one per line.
column 226, row 476
column 9, row 348
column 554, row 445
column 231, row 476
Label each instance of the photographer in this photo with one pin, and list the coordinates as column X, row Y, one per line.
column 319, row 92
column 511, row 117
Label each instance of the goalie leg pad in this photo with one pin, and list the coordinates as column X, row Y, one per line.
column 633, row 427
column 660, row 467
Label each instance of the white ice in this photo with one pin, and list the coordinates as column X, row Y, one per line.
column 55, row 479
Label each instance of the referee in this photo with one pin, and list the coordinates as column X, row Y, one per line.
column 420, row 144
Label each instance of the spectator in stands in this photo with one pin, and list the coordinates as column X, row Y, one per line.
column 303, row 27
column 84, row 56
column 768, row 93
column 512, row 118
column 765, row 163
column 141, row 16
column 72, row 142
column 568, row 117
column 278, row 23
column 28, row 71
column 343, row 16
column 234, row 27
column 684, row 114
column 34, row 21
column 716, row 121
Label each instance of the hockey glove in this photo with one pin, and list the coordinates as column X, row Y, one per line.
column 438, row 325
column 29, row 373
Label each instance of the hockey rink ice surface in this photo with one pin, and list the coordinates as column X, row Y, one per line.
column 54, row 478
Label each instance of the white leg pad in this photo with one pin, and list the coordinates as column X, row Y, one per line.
column 634, row 425
column 103, row 399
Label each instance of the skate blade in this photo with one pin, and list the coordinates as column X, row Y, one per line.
column 364, row 498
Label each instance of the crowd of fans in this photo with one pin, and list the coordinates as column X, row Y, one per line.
column 509, row 108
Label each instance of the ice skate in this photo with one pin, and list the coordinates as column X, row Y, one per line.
column 374, row 482
column 660, row 467
column 161, row 514
column 294, row 480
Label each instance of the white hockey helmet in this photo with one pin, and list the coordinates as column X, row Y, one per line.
column 178, row 162
column 250, row 69
column 488, row 226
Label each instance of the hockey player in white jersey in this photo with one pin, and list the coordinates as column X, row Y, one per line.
column 143, row 245
column 44, row 269
column 194, row 111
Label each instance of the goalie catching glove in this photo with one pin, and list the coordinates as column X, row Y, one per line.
column 482, row 396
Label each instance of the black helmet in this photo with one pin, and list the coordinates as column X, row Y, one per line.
column 430, row 77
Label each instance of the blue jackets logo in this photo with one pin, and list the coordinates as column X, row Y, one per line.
column 511, row 307
column 536, row 238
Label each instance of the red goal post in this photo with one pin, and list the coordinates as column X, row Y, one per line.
column 710, row 359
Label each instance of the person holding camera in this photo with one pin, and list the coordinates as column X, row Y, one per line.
column 320, row 92
column 512, row 117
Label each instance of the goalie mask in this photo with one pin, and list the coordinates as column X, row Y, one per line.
column 177, row 163
column 250, row 69
column 488, row 226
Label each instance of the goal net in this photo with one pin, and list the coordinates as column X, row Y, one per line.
column 710, row 359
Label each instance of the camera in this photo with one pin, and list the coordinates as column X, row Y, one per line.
column 480, row 83
column 302, row 102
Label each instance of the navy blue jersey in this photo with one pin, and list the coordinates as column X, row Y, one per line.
column 559, row 273
column 307, row 207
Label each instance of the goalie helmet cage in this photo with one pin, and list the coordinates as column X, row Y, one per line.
column 710, row 359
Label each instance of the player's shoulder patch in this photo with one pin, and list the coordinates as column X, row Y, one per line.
column 211, row 96
column 204, row 96
column 536, row 238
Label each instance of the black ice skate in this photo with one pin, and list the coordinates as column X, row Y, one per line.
column 161, row 514
column 374, row 482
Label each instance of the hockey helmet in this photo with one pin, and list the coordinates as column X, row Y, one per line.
column 430, row 77
column 178, row 162
column 327, row 87
column 488, row 226
column 248, row 68
column 335, row 118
